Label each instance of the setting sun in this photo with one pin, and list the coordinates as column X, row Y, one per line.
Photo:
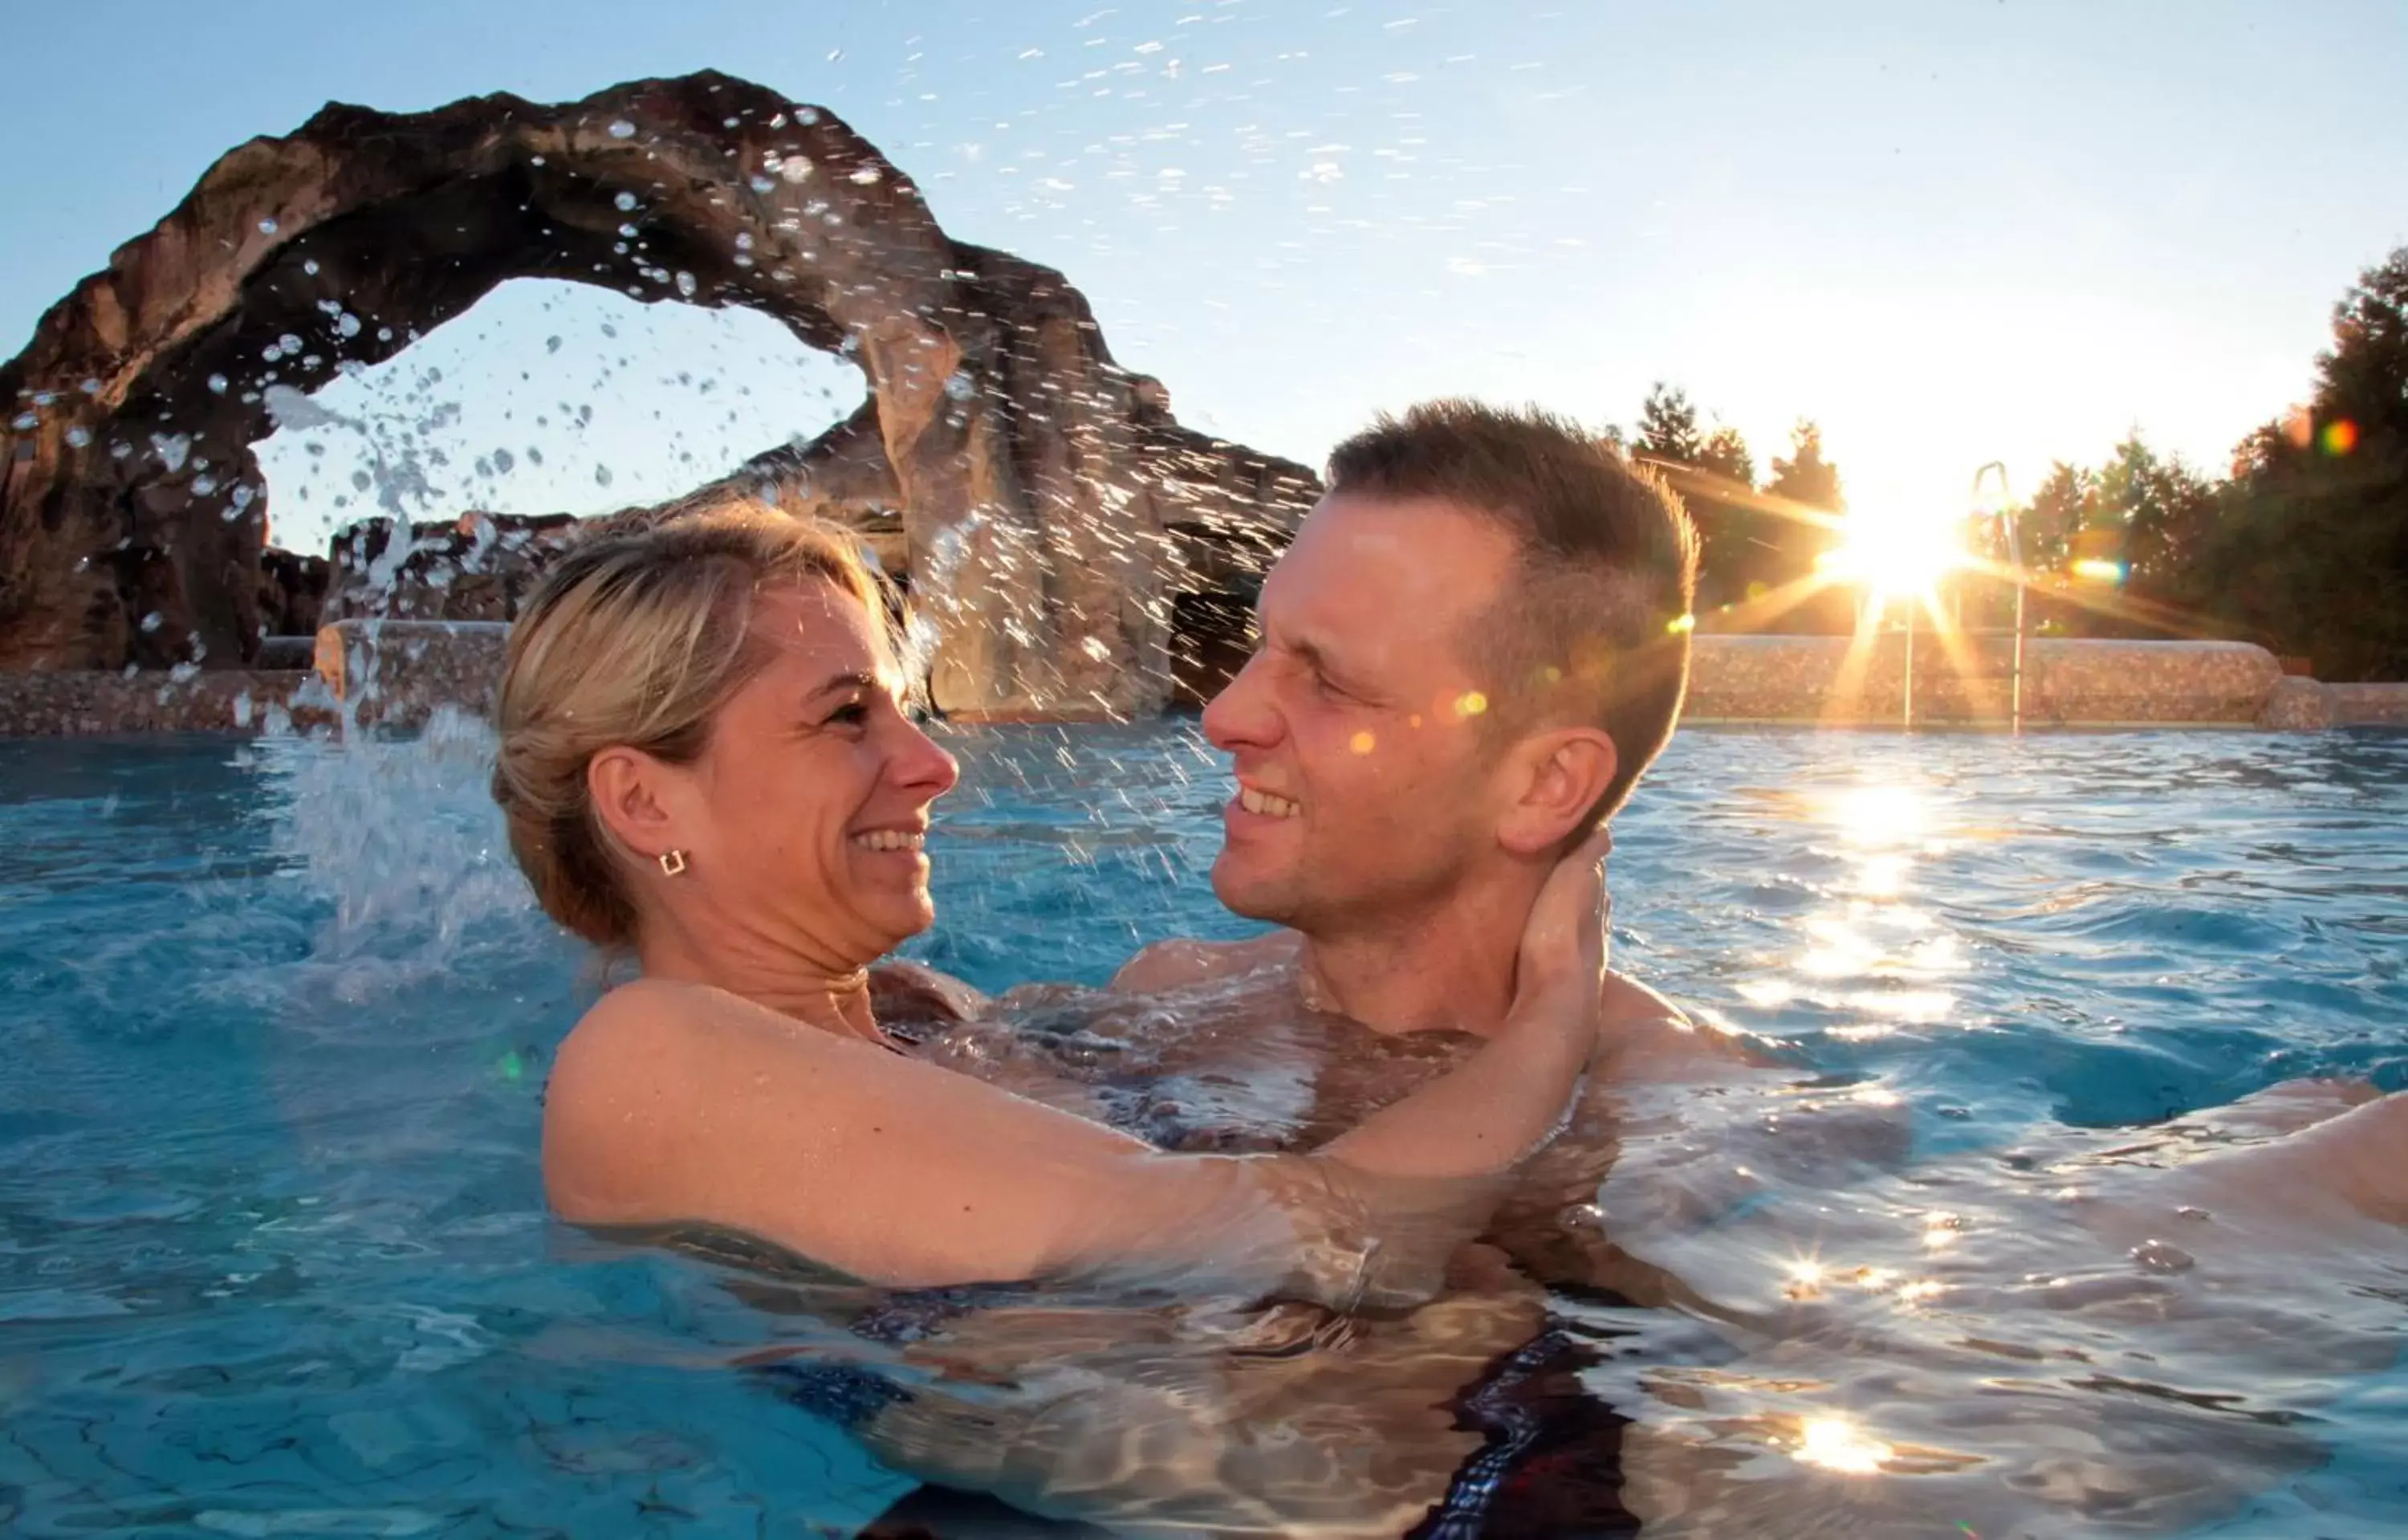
column 1891, row 554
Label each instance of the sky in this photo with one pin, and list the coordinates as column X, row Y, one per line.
column 1950, row 231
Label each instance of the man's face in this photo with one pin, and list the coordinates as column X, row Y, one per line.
column 1364, row 771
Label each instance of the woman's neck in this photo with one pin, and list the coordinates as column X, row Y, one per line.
column 824, row 993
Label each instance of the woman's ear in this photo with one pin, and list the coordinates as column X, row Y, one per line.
column 1562, row 775
column 634, row 799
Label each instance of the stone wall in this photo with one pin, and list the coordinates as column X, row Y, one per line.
column 394, row 672
column 2370, row 705
column 1823, row 679
column 81, row 703
column 1841, row 682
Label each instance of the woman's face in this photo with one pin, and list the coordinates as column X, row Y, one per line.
column 812, row 798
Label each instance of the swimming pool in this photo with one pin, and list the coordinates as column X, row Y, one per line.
column 272, row 1252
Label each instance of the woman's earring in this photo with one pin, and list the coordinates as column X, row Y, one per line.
column 673, row 863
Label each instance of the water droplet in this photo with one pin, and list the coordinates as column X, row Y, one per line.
column 686, row 285
column 267, row 227
column 867, row 175
column 626, row 232
column 310, row 265
column 26, row 421
column 601, row 475
column 151, row 622
column 627, row 203
column 959, row 386
column 203, row 485
column 622, row 129
column 90, row 387
column 834, row 54
column 763, row 184
column 349, row 325
column 78, row 438
column 2162, row 1256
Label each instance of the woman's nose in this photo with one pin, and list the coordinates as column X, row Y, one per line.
column 920, row 766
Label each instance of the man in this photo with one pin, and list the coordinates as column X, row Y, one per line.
column 1473, row 649
column 1476, row 645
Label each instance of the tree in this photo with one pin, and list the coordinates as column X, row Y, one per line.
column 1727, row 556
column 1797, row 545
column 1668, row 426
column 1724, row 453
column 2066, row 501
column 2159, row 511
column 2309, row 548
column 1805, row 477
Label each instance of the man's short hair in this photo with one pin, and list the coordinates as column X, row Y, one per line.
column 1595, row 626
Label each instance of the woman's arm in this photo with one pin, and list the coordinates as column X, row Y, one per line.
column 674, row 1102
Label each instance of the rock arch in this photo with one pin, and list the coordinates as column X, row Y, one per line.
column 1051, row 510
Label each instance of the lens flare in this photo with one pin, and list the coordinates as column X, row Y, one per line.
column 2338, row 438
column 1892, row 554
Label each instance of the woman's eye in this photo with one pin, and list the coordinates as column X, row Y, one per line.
column 851, row 715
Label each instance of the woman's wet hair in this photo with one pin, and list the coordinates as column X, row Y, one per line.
column 637, row 639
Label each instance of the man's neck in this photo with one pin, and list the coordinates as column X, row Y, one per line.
column 1448, row 966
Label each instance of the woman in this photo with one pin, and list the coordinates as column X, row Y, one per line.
column 705, row 760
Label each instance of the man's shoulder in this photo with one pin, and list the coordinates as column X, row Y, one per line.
column 1181, row 962
column 1647, row 1037
column 1625, row 999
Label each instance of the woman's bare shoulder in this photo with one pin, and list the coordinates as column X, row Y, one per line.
column 670, row 1034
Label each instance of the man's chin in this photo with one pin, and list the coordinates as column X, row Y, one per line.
column 1251, row 895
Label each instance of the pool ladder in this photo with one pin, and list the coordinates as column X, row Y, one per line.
column 2004, row 512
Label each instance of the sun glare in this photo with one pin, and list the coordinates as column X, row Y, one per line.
column 1894, row 554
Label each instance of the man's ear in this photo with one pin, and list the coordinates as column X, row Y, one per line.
column 637, row 798
column 1560, row 775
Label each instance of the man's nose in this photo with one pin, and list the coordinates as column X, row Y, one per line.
column 1240, row 716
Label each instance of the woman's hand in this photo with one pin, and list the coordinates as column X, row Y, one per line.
column 1563, row 948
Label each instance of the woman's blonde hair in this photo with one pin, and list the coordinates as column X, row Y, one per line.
column 637, row 639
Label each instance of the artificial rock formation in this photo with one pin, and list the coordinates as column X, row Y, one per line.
column 1050, row 514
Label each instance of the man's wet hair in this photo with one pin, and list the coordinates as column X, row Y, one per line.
column 1594, row 624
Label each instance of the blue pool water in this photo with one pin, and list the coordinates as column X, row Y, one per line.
column 273, row 1258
